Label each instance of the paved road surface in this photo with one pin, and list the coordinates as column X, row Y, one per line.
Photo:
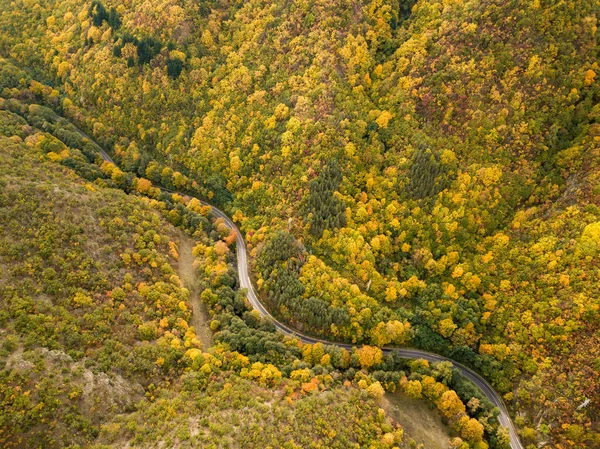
column 246, row 283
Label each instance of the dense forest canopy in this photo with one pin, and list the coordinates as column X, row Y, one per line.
column 405, row 172
column 100, row 342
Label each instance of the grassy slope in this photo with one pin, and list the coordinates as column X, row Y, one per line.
column 72, row 355
column 418, row 420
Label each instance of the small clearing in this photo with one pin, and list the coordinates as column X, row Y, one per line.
column 187, row 274
column 419, row 422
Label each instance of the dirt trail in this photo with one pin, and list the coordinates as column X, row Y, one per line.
column 200, row 317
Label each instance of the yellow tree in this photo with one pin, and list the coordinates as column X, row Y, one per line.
column 369, row 356
column 450, row 404
column 470, row 429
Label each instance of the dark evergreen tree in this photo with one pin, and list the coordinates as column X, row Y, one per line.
column 147, row 49
column 426, row 174
column 99, row 13
column 114, row 21
column 174, row 68
column 323, row 209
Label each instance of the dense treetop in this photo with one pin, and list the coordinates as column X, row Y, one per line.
column 430, row 165
column 99, row 338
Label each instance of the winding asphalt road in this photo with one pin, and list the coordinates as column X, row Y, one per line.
column 246, row 283
column 410, row 353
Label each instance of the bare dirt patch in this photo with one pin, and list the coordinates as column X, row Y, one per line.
column 187, row 274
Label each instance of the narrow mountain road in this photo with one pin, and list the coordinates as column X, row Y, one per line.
column 246, row 283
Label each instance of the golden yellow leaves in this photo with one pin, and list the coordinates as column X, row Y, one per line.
column 63, row 69
column 173, row 250
column 533, row 69
column 490, row 302
column 235, row 163
column 447, row 157
column 175, row 343
column 129, row 51
column 54, row 157
column 471, row 281
column 193, row 353
column 570, row 159
column 383, row 119
column 413, row 389
column 411, row 286
column 81, row 299
column 313, row 353
column 391, row 294
column 450, row 290
column 432, row 389
column 239, row 216
column 270, row 122
column 302, row 375
column 470, row 428
column 450, row 404
column 489, row 175
column 457, row 272
column 94, row 34
column 376, row 390
column 487, row 257
column 499, row 351
column 356, row 54
column 590, row 76
column 361, row 215
column 265, row 374
column 176, row 54
column 143, row 185
column 207, row 39
column 469, row 28
column 369, row 356
column 281, row 111
column 393, row 332
column 501, row 240
column 589, row 242
column 447, row 327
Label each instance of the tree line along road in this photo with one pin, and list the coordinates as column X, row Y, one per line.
column 411, row 353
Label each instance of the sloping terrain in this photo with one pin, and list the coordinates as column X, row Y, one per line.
column 79, row 263
column 433, row 163
column 99, row 345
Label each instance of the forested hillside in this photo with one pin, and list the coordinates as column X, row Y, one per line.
column 100, row 342
column 96, row 340
column 405, row 172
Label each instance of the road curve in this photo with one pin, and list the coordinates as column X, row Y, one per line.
column 411, row 353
